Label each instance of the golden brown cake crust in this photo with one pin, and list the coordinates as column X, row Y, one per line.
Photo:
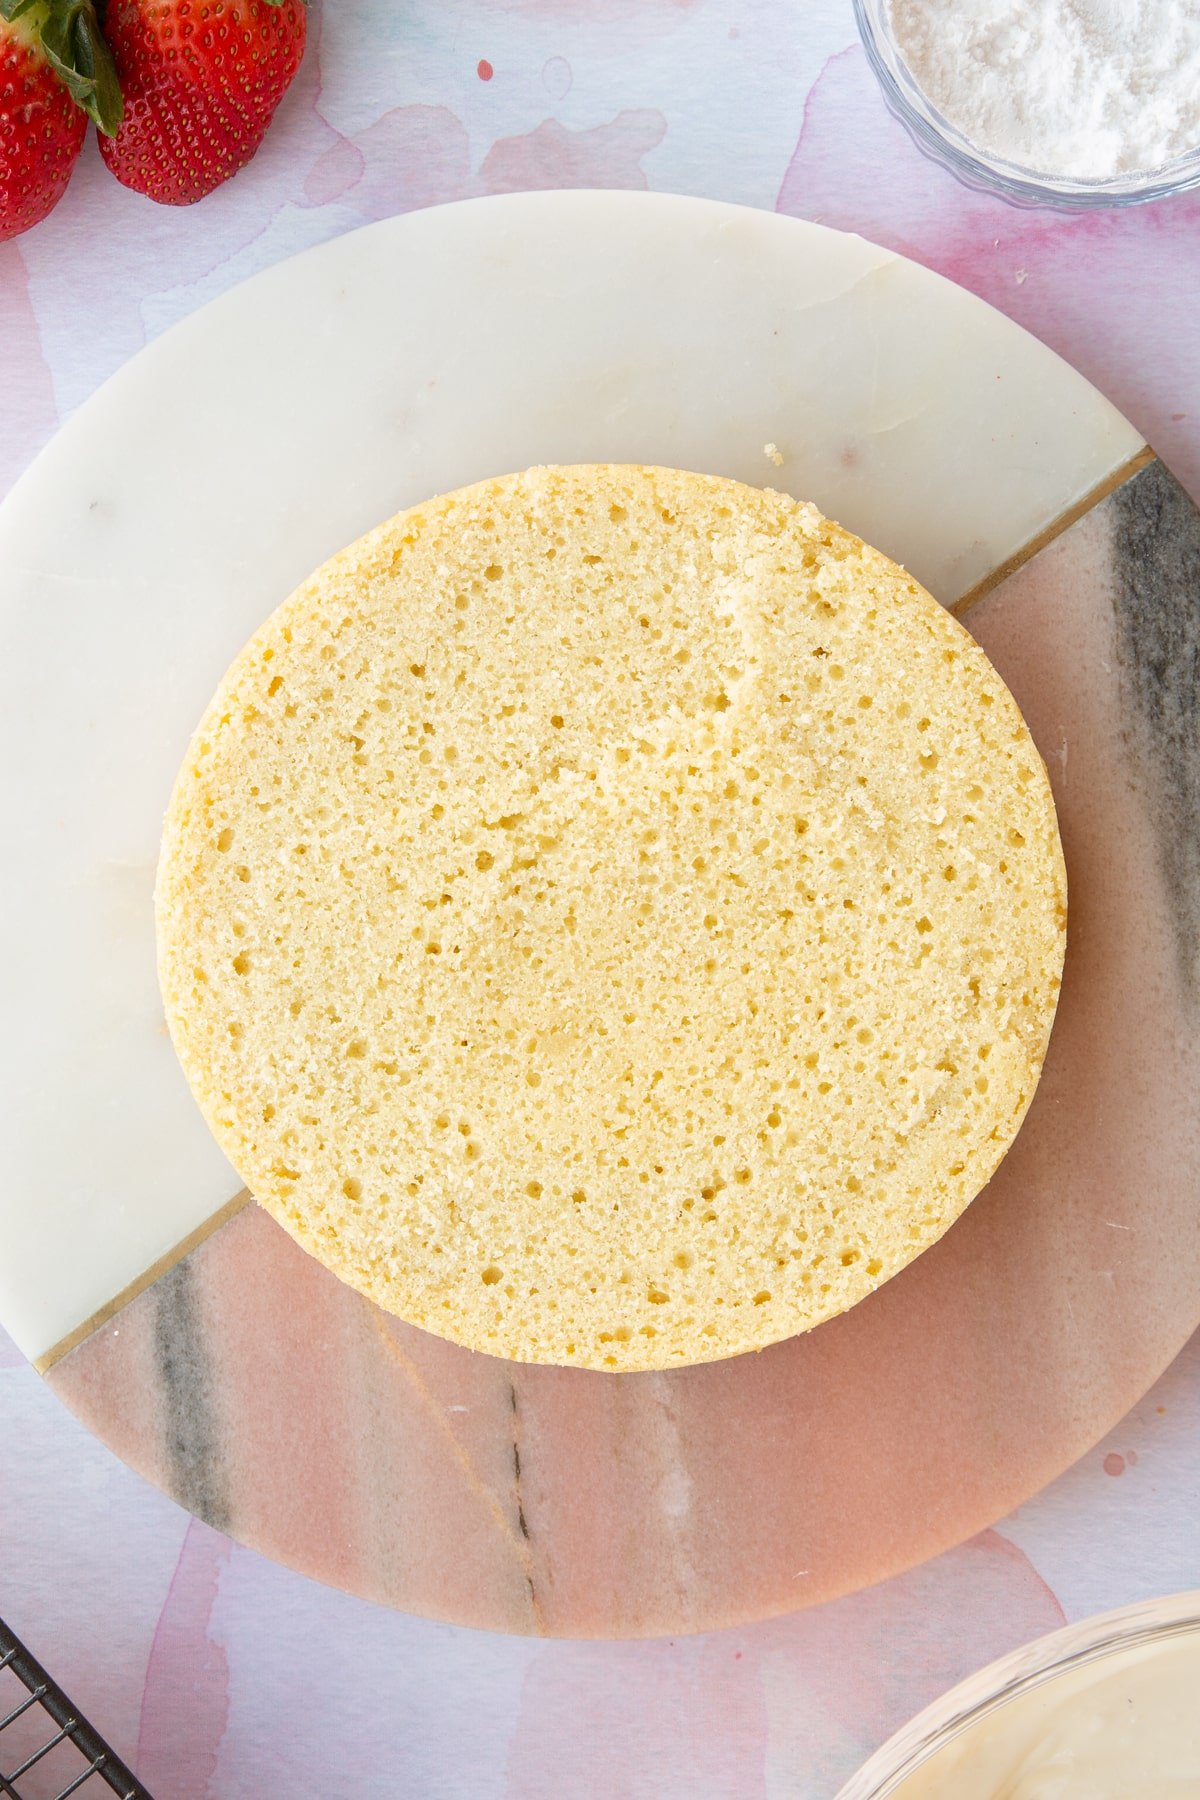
column 612, row 916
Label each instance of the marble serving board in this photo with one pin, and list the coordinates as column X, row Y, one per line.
column 187, row 498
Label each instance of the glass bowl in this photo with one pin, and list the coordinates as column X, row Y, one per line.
column 976, row 167
column 1088, row 1641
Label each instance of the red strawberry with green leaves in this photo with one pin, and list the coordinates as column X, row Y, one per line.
column 201, row 80
column 55, row 72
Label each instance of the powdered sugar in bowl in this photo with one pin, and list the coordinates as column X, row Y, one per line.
column 1048, row 102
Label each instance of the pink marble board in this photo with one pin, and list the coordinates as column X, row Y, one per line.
column 282, row 1407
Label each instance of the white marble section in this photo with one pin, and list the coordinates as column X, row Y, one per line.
column 192, row 492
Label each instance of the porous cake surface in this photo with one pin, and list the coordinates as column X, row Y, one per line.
column 612, row 916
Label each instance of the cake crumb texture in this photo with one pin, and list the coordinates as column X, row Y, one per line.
column 612, row 916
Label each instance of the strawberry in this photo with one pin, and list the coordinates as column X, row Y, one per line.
column 55, row 71
column 201, row 80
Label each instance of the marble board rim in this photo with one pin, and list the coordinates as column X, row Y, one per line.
column 509, row 1491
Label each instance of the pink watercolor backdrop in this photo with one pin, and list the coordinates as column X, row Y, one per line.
column 221, row 1675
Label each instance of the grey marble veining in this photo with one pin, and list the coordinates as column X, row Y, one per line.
column 187, row 1398
column 1156, row 546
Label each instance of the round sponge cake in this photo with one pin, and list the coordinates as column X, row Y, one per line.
column 612, row 916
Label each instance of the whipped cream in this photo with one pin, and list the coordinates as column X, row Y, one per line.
column 1125, row 1726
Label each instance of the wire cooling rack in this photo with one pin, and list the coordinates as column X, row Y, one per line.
column 46, row 1745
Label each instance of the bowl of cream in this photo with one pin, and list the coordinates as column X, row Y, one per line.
column 1070, row 103
column 1106, row 1709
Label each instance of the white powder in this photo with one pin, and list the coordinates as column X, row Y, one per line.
column 1064, row 87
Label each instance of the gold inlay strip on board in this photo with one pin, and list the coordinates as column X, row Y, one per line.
column 146, row 1279
column 1054, row 529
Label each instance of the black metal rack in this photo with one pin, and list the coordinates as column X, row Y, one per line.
column 45, row 1743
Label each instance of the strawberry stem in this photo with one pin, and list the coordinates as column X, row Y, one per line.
column 74, row 47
